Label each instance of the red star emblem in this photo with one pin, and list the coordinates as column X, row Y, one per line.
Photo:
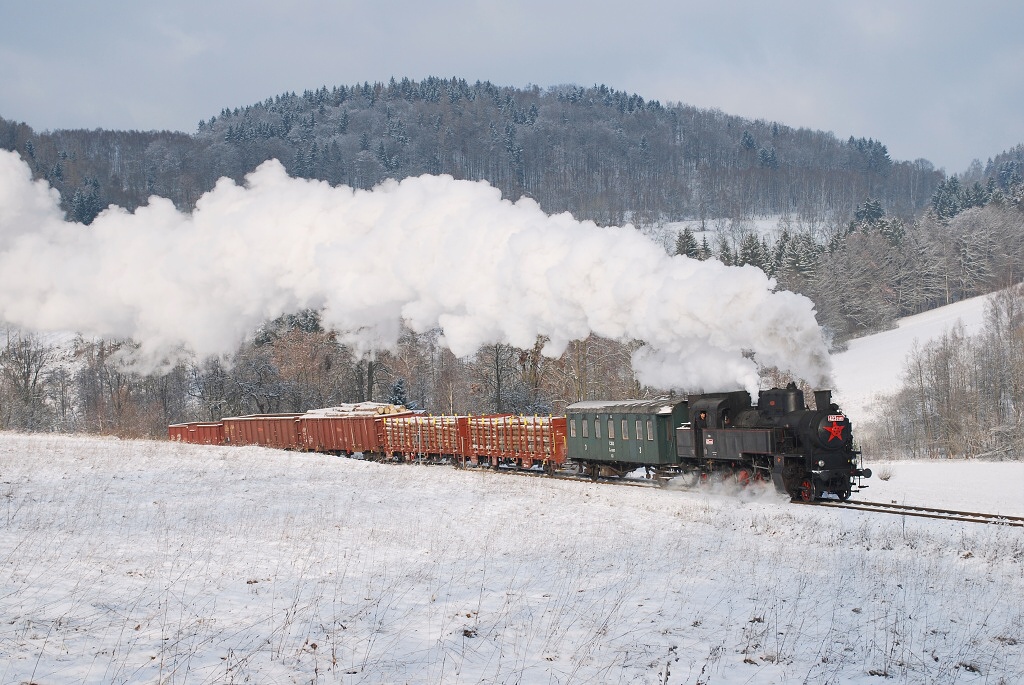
column 835, row 431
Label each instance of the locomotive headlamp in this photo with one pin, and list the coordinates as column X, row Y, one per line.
column 821, row 463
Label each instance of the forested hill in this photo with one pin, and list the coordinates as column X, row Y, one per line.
column 599, row 153
column 866, row 238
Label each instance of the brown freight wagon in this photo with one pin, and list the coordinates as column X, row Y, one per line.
column 197, row 433
column 178, row 432
column 434, row 438
column 342, row 434
column 519, row 441
column 347, row 429
column 280, row 431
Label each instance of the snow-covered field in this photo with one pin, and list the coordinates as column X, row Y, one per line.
column 145, row 562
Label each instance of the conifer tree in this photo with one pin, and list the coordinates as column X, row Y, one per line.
column 686, row 244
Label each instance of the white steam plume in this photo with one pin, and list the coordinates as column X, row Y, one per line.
column 432, row 251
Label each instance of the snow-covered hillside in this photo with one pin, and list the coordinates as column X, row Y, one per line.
column 145, row 562
column 873, row 364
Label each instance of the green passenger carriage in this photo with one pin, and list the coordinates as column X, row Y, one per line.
column 614, row 438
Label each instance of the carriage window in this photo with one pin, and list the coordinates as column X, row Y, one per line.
column 586, row 427
column 572, row 428
column 650, row 429
column 625, row 429
column 597, row 428
column 611, row 429
column 639, row 429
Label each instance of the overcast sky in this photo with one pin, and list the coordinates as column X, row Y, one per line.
column 935, row 79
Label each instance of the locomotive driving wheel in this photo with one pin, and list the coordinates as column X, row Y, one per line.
column 807, row 491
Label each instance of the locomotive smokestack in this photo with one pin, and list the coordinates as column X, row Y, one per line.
column 822, row 399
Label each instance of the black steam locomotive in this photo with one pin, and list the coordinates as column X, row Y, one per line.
column 804, row 452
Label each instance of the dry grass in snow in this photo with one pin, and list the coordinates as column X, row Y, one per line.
column 143, row 562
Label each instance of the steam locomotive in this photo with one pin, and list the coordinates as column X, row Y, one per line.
column 804, row 452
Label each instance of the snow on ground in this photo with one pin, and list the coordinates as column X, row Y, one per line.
column 953, row 484
column 873, row 365
column 139, row 562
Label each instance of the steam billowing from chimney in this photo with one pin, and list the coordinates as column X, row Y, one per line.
column 432, row 251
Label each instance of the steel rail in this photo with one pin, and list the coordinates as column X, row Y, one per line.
column 923, row 512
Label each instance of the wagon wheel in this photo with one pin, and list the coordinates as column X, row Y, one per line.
column 807, row 491
column 661, row 478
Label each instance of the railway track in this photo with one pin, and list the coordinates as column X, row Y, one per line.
column 565, row 474
column 575, row 477
column 923, row 512
column 875, row 507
